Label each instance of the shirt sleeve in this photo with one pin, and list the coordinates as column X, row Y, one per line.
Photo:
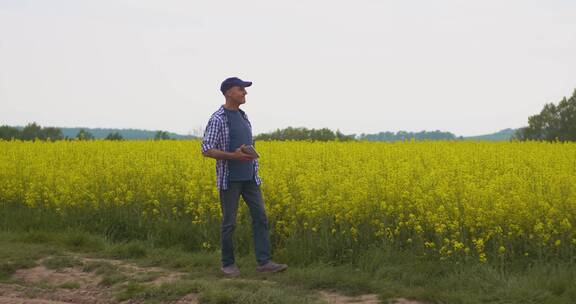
column 211, row 135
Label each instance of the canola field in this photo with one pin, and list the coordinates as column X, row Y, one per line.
column 447, row 200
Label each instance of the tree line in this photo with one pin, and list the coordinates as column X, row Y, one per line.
column 404, row 135
column 326, row 134
column 553, row 123
column 33, row 131
column 301, row 133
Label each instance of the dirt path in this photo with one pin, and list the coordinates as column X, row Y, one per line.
column 10, row 300
column 81, row 285
column 76, row 284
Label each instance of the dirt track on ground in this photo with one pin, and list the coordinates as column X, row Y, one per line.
column 40, row 285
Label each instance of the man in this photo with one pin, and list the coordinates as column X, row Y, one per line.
column 228, row 130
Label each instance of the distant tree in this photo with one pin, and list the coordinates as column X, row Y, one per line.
column 32, row 131
column 161, row 135
column 404, row 136
column 323, row 134
column 300, row 133
column 84, row 135
column 342, row 137
column 51, row 133
column 9, row 133
column 555, row 122
column 114, row 136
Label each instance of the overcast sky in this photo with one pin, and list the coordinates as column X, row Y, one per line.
column 467, row 67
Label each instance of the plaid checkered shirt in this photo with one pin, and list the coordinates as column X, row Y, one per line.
column 217, row 136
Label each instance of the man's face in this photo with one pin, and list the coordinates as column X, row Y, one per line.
column 237, row 94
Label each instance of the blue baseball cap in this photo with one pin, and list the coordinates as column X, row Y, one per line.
column 232, row 82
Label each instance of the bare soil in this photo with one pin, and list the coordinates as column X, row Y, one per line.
column 40, row 285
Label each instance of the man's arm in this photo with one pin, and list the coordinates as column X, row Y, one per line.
column 212, row 135
column 236, row 155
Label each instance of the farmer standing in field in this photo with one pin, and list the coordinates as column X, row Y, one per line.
column 227, row 132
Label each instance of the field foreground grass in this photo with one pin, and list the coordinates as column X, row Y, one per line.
column 76, row 267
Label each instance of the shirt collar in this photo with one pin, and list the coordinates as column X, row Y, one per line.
column 222, row 112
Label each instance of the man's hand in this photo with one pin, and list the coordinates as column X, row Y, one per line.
column 239, row 155
column 236, row 155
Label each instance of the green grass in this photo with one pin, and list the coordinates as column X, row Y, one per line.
column 388, row 273
column 110, row 273
column 146, row 276
column 100, row 267
column 59, row 262
column 127, row 250
column 17, row 255
column 164, row 292
column 112, row 279
column 69, row 285
column 219, row 291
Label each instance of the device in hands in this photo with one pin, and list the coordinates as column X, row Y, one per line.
column 249, row 149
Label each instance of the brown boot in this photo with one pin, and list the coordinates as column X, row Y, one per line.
column 271, row 267
column 231, row 271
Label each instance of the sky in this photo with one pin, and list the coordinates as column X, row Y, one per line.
column 363, row 66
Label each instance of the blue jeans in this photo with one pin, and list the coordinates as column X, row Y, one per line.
column 229, row 199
